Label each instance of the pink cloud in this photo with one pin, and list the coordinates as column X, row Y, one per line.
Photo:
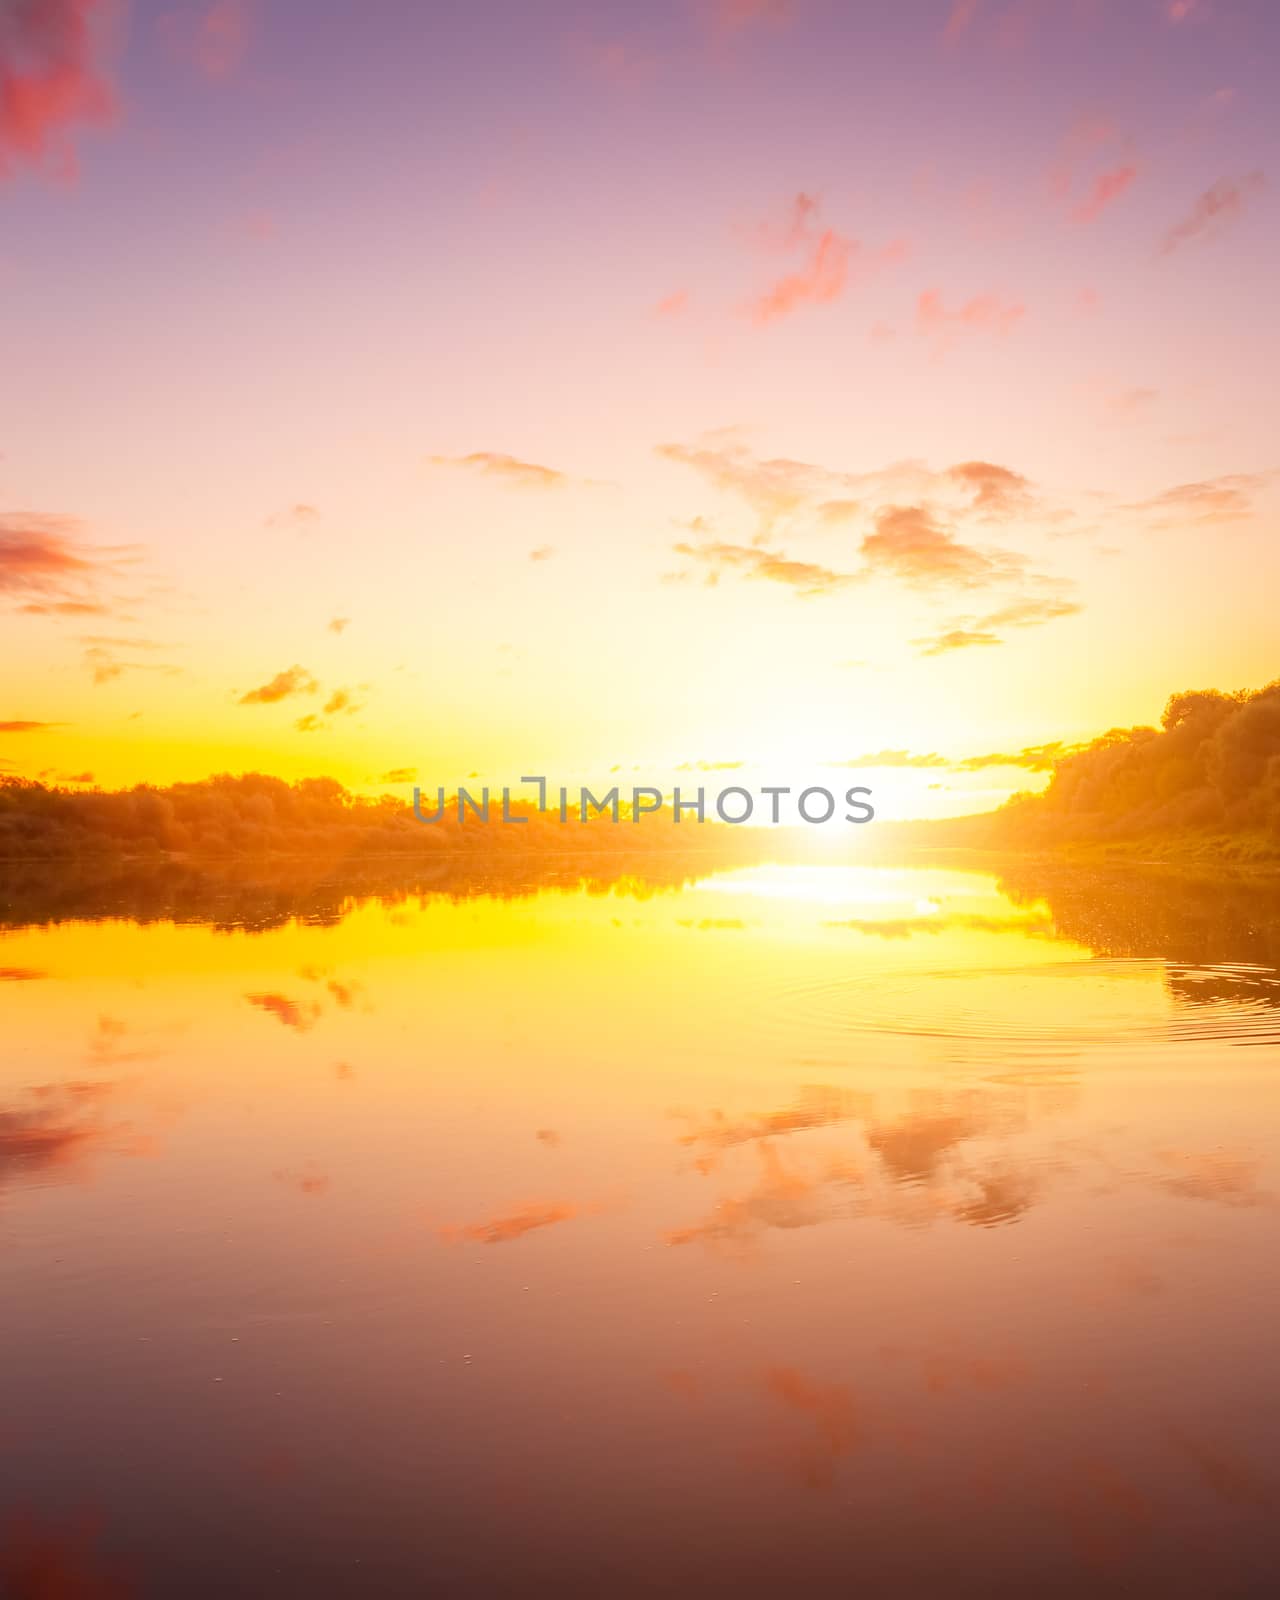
column 829, row 257
column 618, row 61
column 673, row 304
column 495, row 464
column 1092, row 142
column 1105, row 188
column 43, row 564
column 908, row 544
column 983, row 313
column 961, row 19
column 1087, row 134
column 212, row 40
column 258, row 224
column 821, row 280
column 804, row 577
column 50, row 82
column 1130, row 402
column 1216, row 208
column 506, row 1226
column 735, row 16
column 221, row 38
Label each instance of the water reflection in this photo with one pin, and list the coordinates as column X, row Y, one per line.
column 58, row 1560
column 902, row 1229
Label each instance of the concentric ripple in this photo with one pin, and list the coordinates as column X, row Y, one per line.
column 1055, row 1006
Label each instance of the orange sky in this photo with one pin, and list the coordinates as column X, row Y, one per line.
column 569, row 388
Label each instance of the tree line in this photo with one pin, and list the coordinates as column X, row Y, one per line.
column 1211, row 767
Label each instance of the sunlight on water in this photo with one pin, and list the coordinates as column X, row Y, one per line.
column 462, row 1237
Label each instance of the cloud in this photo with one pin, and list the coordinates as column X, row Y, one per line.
column 256, row 223
column 107, row 656
column 817, row 1106
column 213, row 40
column 1034, row 758
column 1106, row 188
column 47, row 1135
column 772, row 488
column 912, row 1146
column 504, row 1228
column 102, row 666
column 1131, row 402
column 1232, row 1477
column 111, row 641
column 298, row 515
column 955, row 639
column 961, row 19
column 221, row 38
column 1212, row 1175
column 66, row 608
column 830, row 1423
column 673, row 304
column 339, row 624
column 997, row 490
column 287, row 1012
column 50, row 82
column 341, row 701
column 909, row 545
column 827, row 259
column 736, row 16
column 914, row 542
column 781, row 1197
column 493, row 464
column 1214, row 211
column 1026, row 611
column 1212, row 500
column 1215, row 104
column 805, row 577
column 57, row 1556
column 1029, row 612
column 821, row 280
column 311, row 1182
column 620, row 61
column 27, row 727
column 911, row 1169
column 722, row 23
column 544, row 552
column 400, row 775
column 891, row 759
column 42, row 561
column 983, row 313
column 293, row 680
column 1090, row 139
column 776, row 488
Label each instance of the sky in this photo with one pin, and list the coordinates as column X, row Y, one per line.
column 769, row 387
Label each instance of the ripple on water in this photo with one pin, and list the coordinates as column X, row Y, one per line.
column 1054, row 1007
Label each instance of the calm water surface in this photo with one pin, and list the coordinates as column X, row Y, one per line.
column 805, row 1229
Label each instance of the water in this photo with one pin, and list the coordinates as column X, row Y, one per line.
column 817, row 1229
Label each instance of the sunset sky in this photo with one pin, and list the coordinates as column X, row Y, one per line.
column 537, row 386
